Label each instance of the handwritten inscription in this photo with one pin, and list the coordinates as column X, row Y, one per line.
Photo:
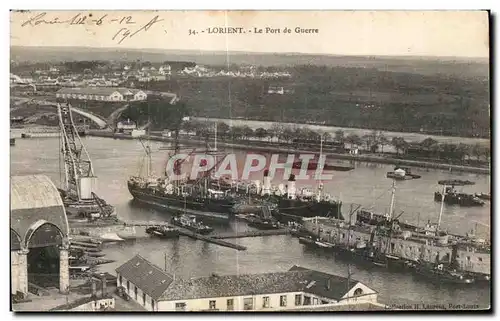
column 128, row 26
column 125, row 33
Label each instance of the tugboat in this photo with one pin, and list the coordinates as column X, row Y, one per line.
column 190, row 223
column 438, row 273
column 163, row 232
column 483, row 196
column 264, row 223
column 451, row 197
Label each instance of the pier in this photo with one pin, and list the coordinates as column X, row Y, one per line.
column 188, row 233
column 237, row 235
column 210, row 239
column 215, row 238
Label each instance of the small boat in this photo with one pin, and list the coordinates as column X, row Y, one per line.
column 190, row 223
column 100, row 261
column 325, row 245
column 442, row 275
column 483, row 196
column 85, row 244
column 94, row 254
column 84, row 249
column 307, row 240
column 164, row 232
column 80, row 268
column 264, row 223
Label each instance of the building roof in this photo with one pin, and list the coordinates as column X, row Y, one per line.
column 35, row 201
column 105, row 91
column 326, row 285
column 33, row 191
column 146, row 276
column 297, row 279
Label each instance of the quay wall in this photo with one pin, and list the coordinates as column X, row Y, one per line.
column 359, row 158
column 411, row 250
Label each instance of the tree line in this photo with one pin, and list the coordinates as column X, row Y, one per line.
column 374, row 142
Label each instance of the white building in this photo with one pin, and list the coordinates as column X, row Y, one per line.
column 156, row 290
column 165, row 70
column 276, row 90
column 126, row 126
column 102, row 94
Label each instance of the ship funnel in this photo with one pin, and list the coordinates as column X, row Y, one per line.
column 291, row 190
column 266, row 188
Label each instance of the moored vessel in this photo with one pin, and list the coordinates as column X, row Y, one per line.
column 190, row 196
column 451, row 197
column 164, row 232
column 189, row 222
column 388, row 241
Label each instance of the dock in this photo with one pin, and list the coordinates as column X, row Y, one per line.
column 258, row 233
column 188, row 233
column 210, row 239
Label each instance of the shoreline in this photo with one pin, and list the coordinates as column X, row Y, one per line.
column 359, row 158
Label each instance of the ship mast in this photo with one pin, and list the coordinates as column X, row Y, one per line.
column 393, row 192
column 442, row 208
column 320, row 187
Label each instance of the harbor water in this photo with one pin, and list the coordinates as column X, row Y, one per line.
column 115, row 160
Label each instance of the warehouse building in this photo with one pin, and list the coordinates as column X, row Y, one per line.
column 102, row 94
column 157, row 290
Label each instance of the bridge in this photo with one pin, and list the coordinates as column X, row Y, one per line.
column 100, row 121
column 96, row 119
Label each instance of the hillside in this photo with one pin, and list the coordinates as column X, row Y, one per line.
column 468, row 68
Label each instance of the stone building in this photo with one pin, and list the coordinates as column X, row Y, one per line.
column 157, row 290
column 37, row 221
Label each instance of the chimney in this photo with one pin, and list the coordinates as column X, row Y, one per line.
column 266, row 188
column 291, row 190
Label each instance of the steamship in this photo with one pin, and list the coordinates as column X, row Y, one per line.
column 292, row 205
column 193, row 197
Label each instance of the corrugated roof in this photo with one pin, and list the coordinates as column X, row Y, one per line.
column 146, row 276
column 33, row 191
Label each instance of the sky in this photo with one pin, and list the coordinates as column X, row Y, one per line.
column 391, row 33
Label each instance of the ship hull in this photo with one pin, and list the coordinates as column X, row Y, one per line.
column 464, row 200
column 300, row 209
column 213, row 209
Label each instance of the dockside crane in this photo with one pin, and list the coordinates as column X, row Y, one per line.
column 80, row 179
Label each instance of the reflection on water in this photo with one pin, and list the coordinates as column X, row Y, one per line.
column 115, row 160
